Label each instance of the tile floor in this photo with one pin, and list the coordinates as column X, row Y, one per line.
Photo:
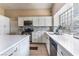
column 41, row 51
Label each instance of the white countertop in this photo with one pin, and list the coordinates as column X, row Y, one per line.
column 8, row 41
column 67, row 41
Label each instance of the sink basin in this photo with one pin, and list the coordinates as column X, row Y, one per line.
column 51, row 33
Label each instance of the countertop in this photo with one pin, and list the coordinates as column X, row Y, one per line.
column 67, row 41
column 8, row 41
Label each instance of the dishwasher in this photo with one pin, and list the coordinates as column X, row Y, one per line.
column 53, row 47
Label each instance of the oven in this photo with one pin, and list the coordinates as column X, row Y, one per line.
column 53, row 47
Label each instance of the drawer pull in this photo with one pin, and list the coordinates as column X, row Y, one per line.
column 62, row 53
column 11, row 54
column 15, row 50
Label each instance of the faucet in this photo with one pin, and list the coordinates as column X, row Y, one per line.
column 57, row 30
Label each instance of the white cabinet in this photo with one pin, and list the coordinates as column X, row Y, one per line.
column 62, row 52
column 24, row 48
column 42, row 21
column 28, row 18
column 19, row 49
column 4, row 25
column 38, row 37
column 35, row 21
column 35, row 37
column 48, row 21
column 47, row 43
column 20, row 21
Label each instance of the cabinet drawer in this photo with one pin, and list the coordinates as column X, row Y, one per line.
column 9, row 52
column 63, row 51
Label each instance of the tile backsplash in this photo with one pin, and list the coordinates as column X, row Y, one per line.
column 41, row 28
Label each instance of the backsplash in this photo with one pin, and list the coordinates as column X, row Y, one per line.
column 41, row 28
column 35, row 28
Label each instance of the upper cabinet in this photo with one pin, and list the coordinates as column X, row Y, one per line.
column 43, row 21
column 27, row 18
column 48, row 21
column 20, row 21
column 37, row 20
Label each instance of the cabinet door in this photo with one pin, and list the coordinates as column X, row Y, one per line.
column 20, row 21
column 35, row 21
column 39, row 36
column 43, row 37
column 35, row 37
column 63, row 52
column 28, row 18
column 41, row 21
column 48, row 21
column 22, row 48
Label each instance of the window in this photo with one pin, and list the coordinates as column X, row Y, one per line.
column 65, row 20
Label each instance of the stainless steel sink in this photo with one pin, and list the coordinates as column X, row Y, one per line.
column 52, row 33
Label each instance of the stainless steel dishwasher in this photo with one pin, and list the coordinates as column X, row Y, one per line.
column 53, row 47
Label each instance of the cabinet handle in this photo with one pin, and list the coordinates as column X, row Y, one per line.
column 62, row 53
column 11, row 54
column 15, row 50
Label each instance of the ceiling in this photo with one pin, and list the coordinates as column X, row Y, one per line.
column 26, row 5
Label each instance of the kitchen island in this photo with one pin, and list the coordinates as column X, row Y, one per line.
column 14, row 45
column 67, row 45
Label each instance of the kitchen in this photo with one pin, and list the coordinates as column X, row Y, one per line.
column 39, row 29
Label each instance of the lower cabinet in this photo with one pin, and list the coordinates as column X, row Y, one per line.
column 20, row 49
column 47, row 44
column 62, row 52
column 38, row 37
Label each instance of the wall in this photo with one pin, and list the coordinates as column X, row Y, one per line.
column 2, row 11
column 13, row 14
column 56, row 7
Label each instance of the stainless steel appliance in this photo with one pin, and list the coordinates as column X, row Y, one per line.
column 53, row 48
column 28, row 29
